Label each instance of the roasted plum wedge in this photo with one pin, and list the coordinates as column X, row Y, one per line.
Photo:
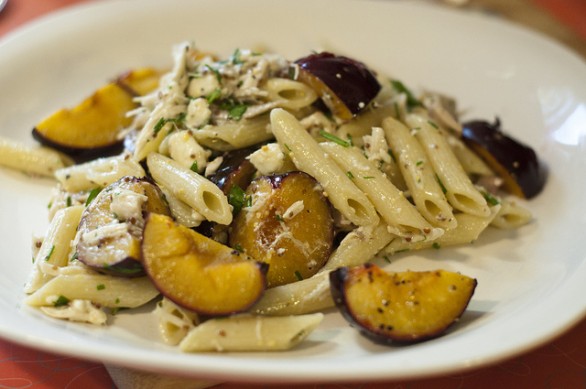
column 517, row 164
column 91, row 129
column 286, row 223
column 402, row 307
column 197, row 272
column 110, row 230
column 345, row 85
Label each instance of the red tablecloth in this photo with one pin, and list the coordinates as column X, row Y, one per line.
column 558, row 364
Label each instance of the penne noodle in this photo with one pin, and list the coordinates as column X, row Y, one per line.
column 41, row 161
column 290, row 94
column 99, row 172
column 402, row 217
column 56, row 247
column 250, row 333
column 511, row 215
column 193, row 189
column 418, row 175
column 234, row 135
column 460, row 191
column 307, row 156
column 468, row 229
column 106, row 291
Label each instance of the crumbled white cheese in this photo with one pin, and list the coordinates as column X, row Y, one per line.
column 127, row 204
column 268, row 159
column 77, row 310
column 184, row 149
column 203, row 86
column 376, row 146
column 213, row 166
column 109, row 231
column 198, row 113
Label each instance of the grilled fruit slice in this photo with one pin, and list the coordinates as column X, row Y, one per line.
column 91, row 129
column 110, row 230
column 141, row 81
column 405, row 307
column 197, row 272
column 288, row 224
column 517, row 164
column 345, row 85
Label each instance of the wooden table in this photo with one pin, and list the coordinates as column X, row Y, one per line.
column 558, row 364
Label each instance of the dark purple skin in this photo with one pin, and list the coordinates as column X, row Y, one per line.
column 338, row 280
column 78, row 154
column 234, row 170
column 519, row 160
column 351, row 81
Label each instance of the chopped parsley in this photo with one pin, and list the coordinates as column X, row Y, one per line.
column 68, row 201
column 298, row 275
column 235, row 58
column 412, row 101
column 433, row 124
column 101, row 287
column 490, row 199
column 436, row 245
column 162, row 121
column 279, row 217
column 61, row 301
column 216, row 72
column 215, row 95
column 350, row 175
column 48, row 256
column 334, row 138
column 441, row 184
column 93, row 193
column 194, row 167
column 238, row 199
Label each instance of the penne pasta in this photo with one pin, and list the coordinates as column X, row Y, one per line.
column 468, row 229
column 193, row 189
column 56, row 247
column 402, row 217
column 460, row 191
column 511, row 215
column 250, row 333
column 106, row 291
column 98, row 173
column 41, row 161
column 290, row 94
column 307, row 156
column 418, row 175
column 234, row 135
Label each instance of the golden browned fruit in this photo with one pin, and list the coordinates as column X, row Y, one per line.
column 110, row 230
column 406, row 306
column 197, row 272
column 91, row 129
column 286, row 222
column 140, row 81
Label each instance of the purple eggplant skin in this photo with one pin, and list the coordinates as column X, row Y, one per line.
column 79, row 154
column 523, row 172
column 118, row 255
column 235, row 169
column 349, row 80
column 338, row 280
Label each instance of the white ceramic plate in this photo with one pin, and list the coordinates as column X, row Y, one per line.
column 531, row 281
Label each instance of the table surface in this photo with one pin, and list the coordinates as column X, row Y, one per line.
column 558, row 364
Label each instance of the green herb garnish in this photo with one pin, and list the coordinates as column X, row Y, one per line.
column 194, row 167
column 101, row 287
column 490, row 199
column 238, row 199
column 48, row 256
column 93, row 193
column 298, row 275
column 334, row 138
column 412, row 101
column 61, row 301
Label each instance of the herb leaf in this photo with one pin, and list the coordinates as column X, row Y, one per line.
column 93, row 193
column 237, row 198
column 412, row 101
column 334, row 138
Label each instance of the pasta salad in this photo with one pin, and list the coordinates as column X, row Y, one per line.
column 246, row 195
